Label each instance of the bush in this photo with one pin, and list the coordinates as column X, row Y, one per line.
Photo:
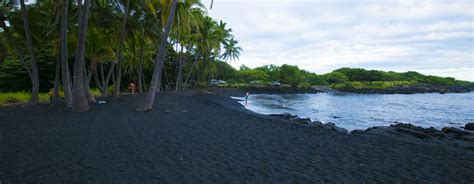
column 336, row 77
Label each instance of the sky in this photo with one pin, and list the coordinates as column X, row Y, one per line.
column 429, row 36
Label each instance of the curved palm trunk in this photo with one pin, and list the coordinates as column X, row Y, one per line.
column 87, row 89
column 149, row 99
column 79, row 100
column 179, row 78
column 65, row 75
column 144, row 81
column 12, row 41
column 34, row 67
column 120, row 54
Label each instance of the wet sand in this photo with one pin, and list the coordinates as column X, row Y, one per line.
column 199, row 137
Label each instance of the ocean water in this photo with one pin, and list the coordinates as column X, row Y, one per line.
column 361, row 111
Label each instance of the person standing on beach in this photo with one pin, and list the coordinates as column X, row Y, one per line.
column 131, row 86
column 246, row 97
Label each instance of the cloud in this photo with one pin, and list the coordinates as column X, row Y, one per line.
column 432, row 36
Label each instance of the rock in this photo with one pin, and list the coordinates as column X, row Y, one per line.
column 336, row 128
column 469, row 126
column 456, row 133
column 285, row 116
column 305, row 121
column 417, row 131
column 317, row 123
column 413, row 132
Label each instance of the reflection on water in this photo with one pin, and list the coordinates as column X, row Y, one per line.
column 356, row 111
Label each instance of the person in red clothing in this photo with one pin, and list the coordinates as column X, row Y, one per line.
column 132, row 87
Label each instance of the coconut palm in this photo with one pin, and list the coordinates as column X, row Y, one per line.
column 65, row 74
column 34, row 66
column 5, row 9
column 149, row 99
column 231, row 50
column 187, row 18
column 79, row 100
column 119, row 50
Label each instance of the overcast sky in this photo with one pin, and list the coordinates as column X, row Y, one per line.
column 431, row 37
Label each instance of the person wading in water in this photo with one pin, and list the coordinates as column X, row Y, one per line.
column 246, row 97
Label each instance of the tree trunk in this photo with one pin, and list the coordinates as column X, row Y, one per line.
column 149, row 99
column 190, row 73
column 179, row 78
column 97, row 81
column 56, row 97
column 12, row 41
column 120, row 54
column 65, row 74
column 79, row 100
column 34, row 67
column 113, row 78
column 144, row 81
column 110, row 75
column 102, row 73
column 87, row 89
column 140, row 69
column 164, row 73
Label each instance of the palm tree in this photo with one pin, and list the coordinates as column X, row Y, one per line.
column 65, row 74
column 79, row 100
column 119, row 51
column 34, row 67
column 231, row 50
column 149, row 99
column 187, row 18
column 13, row 43
column 99, row 50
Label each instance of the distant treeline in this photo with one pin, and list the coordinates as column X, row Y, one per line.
column 13, row 77
column 339, row 79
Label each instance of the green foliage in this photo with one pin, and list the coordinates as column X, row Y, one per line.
column 344, row 78
column 272, row 71
column 336, row 77
column 251, row 75
column 19, row 97
column 291, row 75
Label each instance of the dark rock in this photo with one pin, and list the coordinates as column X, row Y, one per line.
column 336, row 128
column 413, row 132
column 305, row 121
column 285, row 116
column 456, row 133
column 417, row 131
column 469, row 126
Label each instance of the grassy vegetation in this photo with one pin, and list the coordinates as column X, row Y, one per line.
column 7, row 98
column 19, row 97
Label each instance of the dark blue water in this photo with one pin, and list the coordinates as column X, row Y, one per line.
column 357, row 111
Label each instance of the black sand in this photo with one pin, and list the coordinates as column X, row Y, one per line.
column 203, row 138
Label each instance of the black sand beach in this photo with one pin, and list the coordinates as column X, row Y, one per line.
column 196, row 137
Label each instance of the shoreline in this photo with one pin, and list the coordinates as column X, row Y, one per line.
column 206, row 137
column 329, row 125
column 391, row 90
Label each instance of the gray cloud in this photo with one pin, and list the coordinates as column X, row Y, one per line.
column 434, row 37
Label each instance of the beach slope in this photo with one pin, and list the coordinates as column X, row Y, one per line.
column 201, row 137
